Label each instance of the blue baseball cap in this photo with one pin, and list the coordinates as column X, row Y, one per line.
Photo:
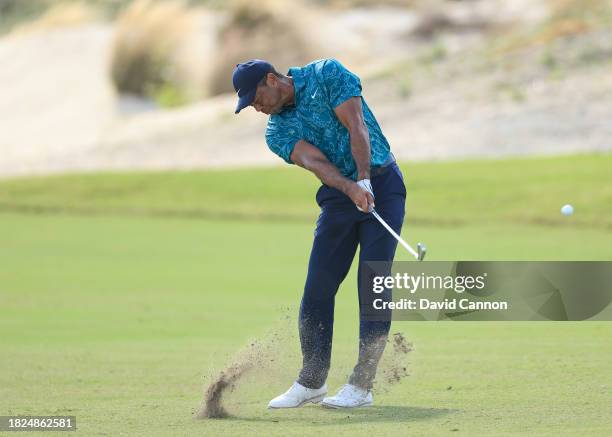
column 246, row 76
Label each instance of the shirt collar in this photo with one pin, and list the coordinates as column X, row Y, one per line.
column 299, row 82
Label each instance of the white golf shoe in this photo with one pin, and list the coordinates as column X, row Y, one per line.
column 349, row 396
column 298, row 395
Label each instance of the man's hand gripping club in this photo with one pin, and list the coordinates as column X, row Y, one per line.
column 364, row 196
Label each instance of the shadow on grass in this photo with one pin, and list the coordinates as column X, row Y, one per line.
column 324, row 416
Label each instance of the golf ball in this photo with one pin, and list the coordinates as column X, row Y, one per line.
column 567, row 210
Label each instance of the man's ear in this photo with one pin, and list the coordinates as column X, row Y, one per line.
column 271, row 80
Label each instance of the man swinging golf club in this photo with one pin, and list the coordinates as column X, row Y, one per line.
column 320, row 121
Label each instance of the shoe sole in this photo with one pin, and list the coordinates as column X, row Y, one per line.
column 315, row 400
column 339, row 407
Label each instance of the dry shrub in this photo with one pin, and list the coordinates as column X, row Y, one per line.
column 348, row 4
column 268, row 29
column 432, row 23
column 574, row 17
column 562, row 28
column 567, row 18
column 580, row 9
column 61, row 14
column 148, row 37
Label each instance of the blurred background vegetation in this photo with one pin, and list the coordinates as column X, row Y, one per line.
column 494, row 77
column 150, row 36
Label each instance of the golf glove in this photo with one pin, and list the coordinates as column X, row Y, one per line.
column 366, row 185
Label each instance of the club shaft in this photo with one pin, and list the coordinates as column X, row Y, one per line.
column 397, row 237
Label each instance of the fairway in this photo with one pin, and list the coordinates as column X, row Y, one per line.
column 121, row 292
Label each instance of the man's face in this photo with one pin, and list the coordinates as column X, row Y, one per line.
column 268, row 97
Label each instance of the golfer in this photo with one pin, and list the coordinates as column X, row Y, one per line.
column 319, row 120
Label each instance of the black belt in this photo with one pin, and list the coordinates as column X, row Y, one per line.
column 377, row 171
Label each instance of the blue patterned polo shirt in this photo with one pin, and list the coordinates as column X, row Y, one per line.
column 320, row 87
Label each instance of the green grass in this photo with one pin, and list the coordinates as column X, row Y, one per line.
column 517, row 191
column 116, row 317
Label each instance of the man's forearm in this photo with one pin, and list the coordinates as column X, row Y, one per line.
column 309, row 157
column 360, row 148
column 329, row 174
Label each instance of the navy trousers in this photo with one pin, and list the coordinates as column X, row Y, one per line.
column 341, row 227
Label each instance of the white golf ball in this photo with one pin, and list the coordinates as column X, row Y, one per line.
column 567, row 210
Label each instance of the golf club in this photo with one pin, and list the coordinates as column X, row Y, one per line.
column 419, row 254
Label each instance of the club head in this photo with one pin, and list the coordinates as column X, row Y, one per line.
column 421, row 250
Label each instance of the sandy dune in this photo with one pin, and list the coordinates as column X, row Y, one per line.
column 59, row 112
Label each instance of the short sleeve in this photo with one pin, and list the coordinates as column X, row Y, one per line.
column 281, row 136
column 341, row 84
